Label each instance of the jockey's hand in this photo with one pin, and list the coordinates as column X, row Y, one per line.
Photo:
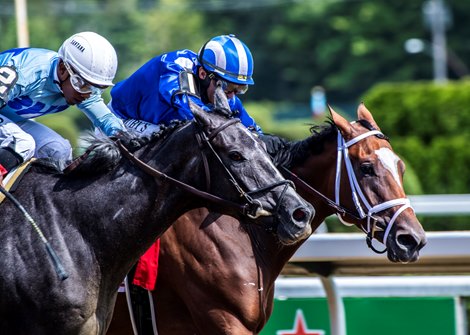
column 131, row 142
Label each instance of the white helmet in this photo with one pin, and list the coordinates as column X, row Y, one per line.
column 91, row 56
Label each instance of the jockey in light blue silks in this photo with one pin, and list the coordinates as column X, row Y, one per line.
column 158, row 92
column 36, row 82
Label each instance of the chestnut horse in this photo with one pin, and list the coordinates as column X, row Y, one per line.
column 216, row 274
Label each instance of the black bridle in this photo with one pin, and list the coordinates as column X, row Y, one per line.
column 251, row 208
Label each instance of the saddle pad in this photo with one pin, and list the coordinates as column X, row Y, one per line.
column 147, row 268
column 13, row 178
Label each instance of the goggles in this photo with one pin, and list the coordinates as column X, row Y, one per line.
column 78, row 83
column 229, row 87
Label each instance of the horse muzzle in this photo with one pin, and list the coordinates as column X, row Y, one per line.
column 255, row 210
column 298, row 225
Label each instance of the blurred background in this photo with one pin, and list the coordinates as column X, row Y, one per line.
column 406, row 59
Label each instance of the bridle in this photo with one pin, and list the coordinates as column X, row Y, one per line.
column 252, row 208
column 204, row 140
column 356, row 190
column 356, row 193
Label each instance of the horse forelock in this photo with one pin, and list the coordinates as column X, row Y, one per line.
column 366, row 124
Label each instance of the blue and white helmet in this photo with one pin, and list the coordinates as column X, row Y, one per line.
column 229, row 58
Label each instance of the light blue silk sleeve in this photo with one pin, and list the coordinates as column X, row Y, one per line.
column 100, row 115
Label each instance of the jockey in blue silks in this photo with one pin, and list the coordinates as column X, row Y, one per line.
column 36, row 82
column 158, row 92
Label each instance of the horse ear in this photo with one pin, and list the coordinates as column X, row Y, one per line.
column 364, row 114
column 220, row 101
column 340, row 122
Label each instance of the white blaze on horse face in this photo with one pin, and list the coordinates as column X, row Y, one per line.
column 390, row 160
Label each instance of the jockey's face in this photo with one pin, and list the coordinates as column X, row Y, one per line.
column 72, row 97
column 211, row 88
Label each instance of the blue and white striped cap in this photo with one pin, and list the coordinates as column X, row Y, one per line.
column 229, row 58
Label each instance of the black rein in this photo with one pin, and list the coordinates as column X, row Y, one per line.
column 245, row 209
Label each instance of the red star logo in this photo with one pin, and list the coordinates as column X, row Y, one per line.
column 300, row 327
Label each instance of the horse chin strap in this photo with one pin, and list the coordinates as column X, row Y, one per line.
column 357, row 193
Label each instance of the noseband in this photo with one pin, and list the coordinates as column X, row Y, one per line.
column 357, row 193
column 252, row 208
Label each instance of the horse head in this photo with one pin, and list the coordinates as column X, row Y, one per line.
column 251, row 172
column 369, row 162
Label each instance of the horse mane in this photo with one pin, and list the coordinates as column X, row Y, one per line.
column 102, row 154
column 290, row 153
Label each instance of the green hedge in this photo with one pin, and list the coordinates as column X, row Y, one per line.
column 429, row 126
column 425, row 110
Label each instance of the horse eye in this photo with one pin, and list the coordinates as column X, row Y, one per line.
column 367, row 169
column 235, row 156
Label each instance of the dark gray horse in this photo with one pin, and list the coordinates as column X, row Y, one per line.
column 99, row 224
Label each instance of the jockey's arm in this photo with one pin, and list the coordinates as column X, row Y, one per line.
column 101, row 117
column 171, row 91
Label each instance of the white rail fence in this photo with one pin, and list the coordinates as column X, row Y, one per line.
column 342, row 254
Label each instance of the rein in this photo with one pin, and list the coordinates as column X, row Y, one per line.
column 252, row 208
column 357, row 193
column 204, row 139
column 309, row 189
column 59, row 268
column 157, row 174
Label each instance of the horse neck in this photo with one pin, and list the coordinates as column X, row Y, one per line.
column 151, row 206
column 142, row 222
column 270, row 255
column 319, row 172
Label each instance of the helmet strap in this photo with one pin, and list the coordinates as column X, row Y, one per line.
column 203, row 85
column 61, row 82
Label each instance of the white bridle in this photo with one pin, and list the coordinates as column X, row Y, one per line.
column 357, row 192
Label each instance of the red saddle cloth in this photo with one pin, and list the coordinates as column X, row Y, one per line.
column 147, row 268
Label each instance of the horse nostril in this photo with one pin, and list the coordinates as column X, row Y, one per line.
column 299, row 215
column 408, row 241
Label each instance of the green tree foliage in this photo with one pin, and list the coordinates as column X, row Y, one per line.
column 345, row 46
column 139, row 30
column 442, row 109
column 428, row 125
